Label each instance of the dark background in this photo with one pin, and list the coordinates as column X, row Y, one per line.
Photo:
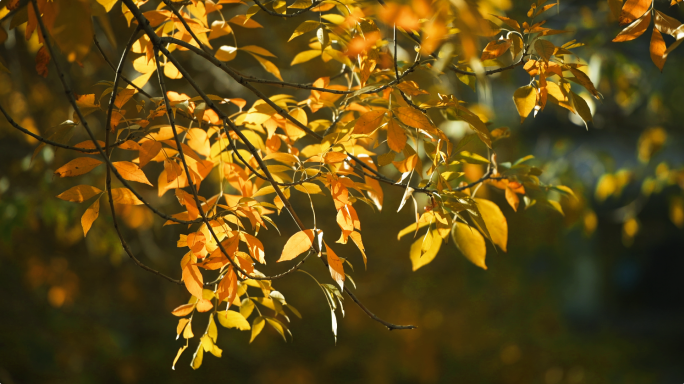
column 562, row 306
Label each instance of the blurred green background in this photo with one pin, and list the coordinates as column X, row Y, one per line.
column 594, row 296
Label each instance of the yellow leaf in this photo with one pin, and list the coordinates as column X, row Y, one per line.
column 79, row 193
column 258, row 50
column 525, row 99
column 89, row 216
column 305, row 56
column 268, row 66
column 125, row 196
column 257, row 326
column 304, row 27
column 77, row 167
column 226, row 53
column 470, row 242
column 335, row 266
column 310, row 188
column 299, row 243
column 232, row 319
column 420, row 258
column 198, row 357
column 495, row 222
column 171, row 71
column 180, row 352
column 131, row 171
column 141, row 80
column 148, row 151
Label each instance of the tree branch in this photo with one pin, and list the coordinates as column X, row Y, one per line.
column 296, row 13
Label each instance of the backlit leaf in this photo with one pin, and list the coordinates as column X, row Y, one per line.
column 125, row 196
column 257, row 326
column 495, row 221
column 79, row 193
column 78, row 166
column 299, row 243
column 89, row 216
column 470, row 242
column 232, row 319
column 335, row 266
column 131, row 171
column 525, row 99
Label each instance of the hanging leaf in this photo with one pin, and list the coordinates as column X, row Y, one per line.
column 525, row 98
column 335, row 266
column 78, row 166
column 368, row 122
column 125, row 196
column 422, row 252
column 634, row 30
column 79, row 193
column 89, row 216
column 299, row 243
column 257, row 326
column 232, row 319
column 470, row 242
column 131, row 171
column 658, row 49
column 495, row 222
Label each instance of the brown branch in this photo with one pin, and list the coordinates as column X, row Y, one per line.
column 414, row 36
column 13, row 12
column 296, row 13
column 54, row 143
column 72, row 100
column 124, row 78
column 370, row 314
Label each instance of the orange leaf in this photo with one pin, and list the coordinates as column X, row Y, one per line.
column 408, row 164
column 148, row 150
column 658, row 49
column 495, row 49
column 634, row 30
column 125, row 196
column 256, row 248
column 78, row 166
column 414, row 118
column 42, row 61
column 131, row 171
column 89, row 216
column 335, row 157
column 79, row 193
column 411, row 88
column 299, row 243
column 227, row 287
column 183, row 310
column 396, row 137
column 335, row 266
column 632, row 10
column 204, row 305
column 512, row 199
column 193, row 280
column 123, row 96
column 368, row 122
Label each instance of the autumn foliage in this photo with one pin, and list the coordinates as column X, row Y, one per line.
column 232, row 164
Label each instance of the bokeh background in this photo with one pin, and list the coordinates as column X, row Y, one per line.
column 594, row 296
